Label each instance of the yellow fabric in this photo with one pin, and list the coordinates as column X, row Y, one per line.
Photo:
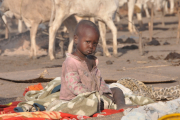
column 174, row 116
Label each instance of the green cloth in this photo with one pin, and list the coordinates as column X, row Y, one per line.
column 84, row 104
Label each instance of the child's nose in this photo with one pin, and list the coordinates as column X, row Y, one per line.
column 91, row 45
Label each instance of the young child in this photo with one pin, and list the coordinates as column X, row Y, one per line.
column 79, row 71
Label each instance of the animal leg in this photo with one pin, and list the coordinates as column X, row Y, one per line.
column 117, row 17
column 70, row 23
column 59, row 18
column 102, row 29
column 21, row 26
column 171, row 6
column 6, row 26
column 33, row 32
column 131, row 26
column 139, row 17
column 113, row 28
column 163, row 14
column 146, row 10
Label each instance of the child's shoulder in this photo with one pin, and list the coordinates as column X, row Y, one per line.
column 69, row 61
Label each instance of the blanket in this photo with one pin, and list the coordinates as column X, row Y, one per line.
column 153, row 111
column 42, row 114
column 84, row 104
column 8, row 108
column 140, row 89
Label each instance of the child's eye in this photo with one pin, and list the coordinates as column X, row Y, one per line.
column 95, row 44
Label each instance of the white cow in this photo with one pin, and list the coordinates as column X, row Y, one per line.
column 33, row 13
column 158, row 5
column 103, row 10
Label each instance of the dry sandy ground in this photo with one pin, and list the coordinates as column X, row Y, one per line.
column 16, row 65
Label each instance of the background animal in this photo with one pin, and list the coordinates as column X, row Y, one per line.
column 34, row 12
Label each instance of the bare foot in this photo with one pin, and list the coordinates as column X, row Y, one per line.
column 127, row 106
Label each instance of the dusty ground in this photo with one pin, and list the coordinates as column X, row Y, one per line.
column 16, row 65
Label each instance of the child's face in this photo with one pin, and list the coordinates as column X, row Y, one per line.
column 87, row 41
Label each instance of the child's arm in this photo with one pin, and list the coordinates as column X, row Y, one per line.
column 103, row 87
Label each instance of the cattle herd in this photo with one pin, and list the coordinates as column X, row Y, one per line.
column 58, row 12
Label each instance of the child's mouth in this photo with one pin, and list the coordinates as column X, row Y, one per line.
column 89, row 52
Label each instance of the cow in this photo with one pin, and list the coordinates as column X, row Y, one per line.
column 21, row 26
column 158, row 5
column 34, row 12
column 103, row 10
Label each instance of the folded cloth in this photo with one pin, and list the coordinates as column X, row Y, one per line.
column 85, row 104
column 125, row 90
column 43, row 115
column 43, row 97
column 33, row 87
column 44, row 93
column 8, row 108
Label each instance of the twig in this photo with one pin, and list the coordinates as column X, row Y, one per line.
column 178, row 31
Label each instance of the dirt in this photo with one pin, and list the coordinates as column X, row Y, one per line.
column 109, row 62
column 154, row 42
column 154, row 58
column 130, row 47
column 151, row 66
column 172, row 56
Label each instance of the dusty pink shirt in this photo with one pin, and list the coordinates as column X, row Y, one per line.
column 76, row 78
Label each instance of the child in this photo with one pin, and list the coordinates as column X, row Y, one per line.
column 79, row 71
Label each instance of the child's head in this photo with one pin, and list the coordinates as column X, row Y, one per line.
column 86, row 37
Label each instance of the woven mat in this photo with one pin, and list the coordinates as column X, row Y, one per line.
column 116, row 116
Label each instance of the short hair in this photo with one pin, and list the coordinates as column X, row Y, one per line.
column 83, row 23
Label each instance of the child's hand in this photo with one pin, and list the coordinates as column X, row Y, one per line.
column 108, row 96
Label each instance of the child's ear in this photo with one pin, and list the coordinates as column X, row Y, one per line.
column 75, row 39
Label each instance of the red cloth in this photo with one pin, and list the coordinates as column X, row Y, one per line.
column 63, row 116
column 5, row 109
column 21, row 118
column 66, row 116
column 108, row 112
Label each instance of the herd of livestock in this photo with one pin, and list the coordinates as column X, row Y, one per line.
column 58, row 12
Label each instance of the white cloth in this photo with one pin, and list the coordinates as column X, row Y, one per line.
column 134, row 116
column 156, row 110
column 125, row 90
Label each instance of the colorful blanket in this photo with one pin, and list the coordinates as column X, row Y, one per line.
column 42, row 114
column 85, row 104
